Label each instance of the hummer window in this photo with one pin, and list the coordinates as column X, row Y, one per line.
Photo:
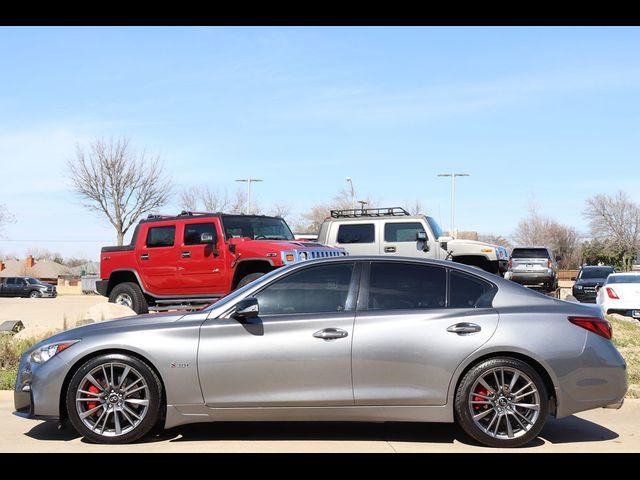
column 358, row 233
column 402, row 232
column 256, row 228
column 161, row 236
column 193, row 231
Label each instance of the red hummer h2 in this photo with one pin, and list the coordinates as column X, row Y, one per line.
column 196, row 258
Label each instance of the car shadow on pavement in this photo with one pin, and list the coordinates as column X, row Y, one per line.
column 566, row 430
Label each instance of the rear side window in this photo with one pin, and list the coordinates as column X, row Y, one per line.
column 11, row 281
column 402, row 232
column 192, row 232
column 401, row 286
column 466, row 291
column 359, row 233
column 161, row 236
column 530, row 253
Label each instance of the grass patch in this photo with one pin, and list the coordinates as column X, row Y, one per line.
column 626, row 338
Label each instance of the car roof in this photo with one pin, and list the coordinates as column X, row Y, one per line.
column 621, row 274
column 585, row 267
column 376, row 218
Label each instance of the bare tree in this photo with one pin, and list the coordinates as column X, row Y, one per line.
column 5, row 217
column 616, row 219
column 540, row 230
column 213, row 200
column 280, row 210
column 317, row 214
column 496, row 240
column 118, row 182
column 40, row 253
column 416, row 208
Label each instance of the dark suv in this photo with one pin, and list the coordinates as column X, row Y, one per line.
column 589, row 280
column 535, row 267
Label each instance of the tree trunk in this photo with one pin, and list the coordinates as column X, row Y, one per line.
column 120, row 238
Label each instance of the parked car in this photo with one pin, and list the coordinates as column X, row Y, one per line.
column 26, row 287
column 534, row 266
column 588, row 281
column 192, row 259
column 341, row 339
column 393, row 232
column 621, row 294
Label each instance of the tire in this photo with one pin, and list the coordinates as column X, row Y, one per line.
column 112, row 406
column 249, row 278
column 35, row 294
column 130, row 295
column 499, row 426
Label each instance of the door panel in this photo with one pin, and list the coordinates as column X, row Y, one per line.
column 276, row 361
column 407, row 357
column 157, row 259
column 201, row 272
column 399, row 239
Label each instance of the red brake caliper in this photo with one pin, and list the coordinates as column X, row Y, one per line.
column 92, row 389
column 476, row 398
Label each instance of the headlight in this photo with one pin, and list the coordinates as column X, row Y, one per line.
column 44, row 353
column 303, row 255
column 578, row 287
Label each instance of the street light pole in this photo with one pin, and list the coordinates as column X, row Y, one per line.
column 353, row 193
column 249, row 180
column 453, row 197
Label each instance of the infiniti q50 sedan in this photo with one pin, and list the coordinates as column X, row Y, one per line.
column 341, row 339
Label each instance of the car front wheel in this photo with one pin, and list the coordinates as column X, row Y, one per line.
column 114, row 398
column 502, row 402
column 35, row 294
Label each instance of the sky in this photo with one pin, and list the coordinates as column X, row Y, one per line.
column 546, row 116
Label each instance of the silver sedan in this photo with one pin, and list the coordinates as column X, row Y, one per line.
column 343, row 339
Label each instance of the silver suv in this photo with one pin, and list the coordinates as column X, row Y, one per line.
column 534, row 266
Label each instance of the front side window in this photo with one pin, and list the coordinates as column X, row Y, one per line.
column 161, row 236
column 322, row 289
column 469, row 292
column 33, row 281
column 406, row 286
column 358, row 233
column 402, row 232
column 193, row 232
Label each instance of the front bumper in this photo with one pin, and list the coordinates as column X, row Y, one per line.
column 38, row 387
column 584, row 297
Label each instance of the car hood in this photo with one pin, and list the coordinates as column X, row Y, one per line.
column 133, row 322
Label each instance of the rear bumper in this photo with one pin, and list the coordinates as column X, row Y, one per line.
column 531, row 278
column 102, row 286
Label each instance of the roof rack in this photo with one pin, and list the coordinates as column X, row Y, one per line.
column 370, row 212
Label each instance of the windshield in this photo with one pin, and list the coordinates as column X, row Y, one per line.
column 595, row 273
column 256, row 228
column 623, row 279
column 530, row 253
column 437, row 231
column 33, row 281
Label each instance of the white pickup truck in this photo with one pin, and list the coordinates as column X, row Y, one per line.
column 393, row 231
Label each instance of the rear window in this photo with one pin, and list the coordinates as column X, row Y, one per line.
column 623, row 279
column 595, row 273
column 161, row 236
column 530, row 253
column 360, row 233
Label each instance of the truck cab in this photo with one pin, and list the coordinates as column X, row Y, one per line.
column 197, row 257
column 393, row 231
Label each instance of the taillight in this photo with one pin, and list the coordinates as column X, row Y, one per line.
column 612, row 293
column 549, row 263
column 597, row 325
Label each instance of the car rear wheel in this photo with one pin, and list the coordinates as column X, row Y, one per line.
column 502, row 402
column 129, row 295
column 114, row 398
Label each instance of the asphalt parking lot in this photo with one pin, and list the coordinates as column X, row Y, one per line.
column 593, row 431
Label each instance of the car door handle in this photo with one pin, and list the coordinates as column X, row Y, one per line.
column 331, row 333
column 464, row 328
column 389, row 249
column 186, row 254
column 144, row 256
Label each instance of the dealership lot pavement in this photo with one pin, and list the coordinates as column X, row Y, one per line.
column 594, row 431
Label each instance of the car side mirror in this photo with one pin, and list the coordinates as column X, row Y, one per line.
column 422, row 237
column 207, row 238
column 246, row 308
